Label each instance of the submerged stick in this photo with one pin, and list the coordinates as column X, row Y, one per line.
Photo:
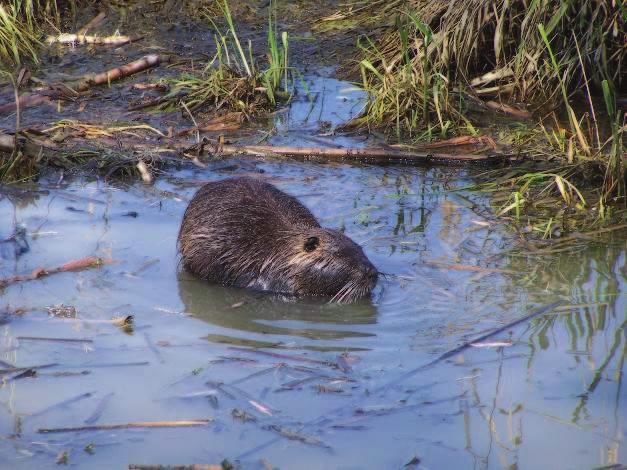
column 25, row 101
column 108, row 364
column 377, row 154
column 82, row 263
column 465, row 267
column 23, row 369
column 467, row 345
column 63, row 403
column 54, row 340
column 103, row 78
column 135, row 425
column 95, row 21
column 95, row 416
column 298, row 358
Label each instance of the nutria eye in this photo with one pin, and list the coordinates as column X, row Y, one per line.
column 311, row 244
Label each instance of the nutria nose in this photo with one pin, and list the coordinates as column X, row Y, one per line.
column 371, row 273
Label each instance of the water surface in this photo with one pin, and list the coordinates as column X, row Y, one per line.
column 337, row 389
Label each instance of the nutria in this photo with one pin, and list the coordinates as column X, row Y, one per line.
column 243, row 232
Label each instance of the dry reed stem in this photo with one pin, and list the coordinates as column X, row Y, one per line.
column 133, row 425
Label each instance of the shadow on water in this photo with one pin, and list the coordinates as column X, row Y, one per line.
column 248, row 318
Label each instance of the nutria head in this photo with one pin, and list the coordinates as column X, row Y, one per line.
column 244, row 232
column 322, row 261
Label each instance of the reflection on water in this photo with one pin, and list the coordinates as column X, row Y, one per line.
column 293, row 381
column 321, row 103
column 233, row 312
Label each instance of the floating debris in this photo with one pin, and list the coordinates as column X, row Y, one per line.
column 242, row 415
column 62, row 311
column 296, row 436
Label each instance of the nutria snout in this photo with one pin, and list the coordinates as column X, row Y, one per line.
column 243, row 232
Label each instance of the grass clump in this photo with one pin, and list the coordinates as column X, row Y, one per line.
column 519, row 51
column 18, row 32
column 233, row 80
column 435, row 67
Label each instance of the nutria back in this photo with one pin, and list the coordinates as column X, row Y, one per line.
column 244, row 232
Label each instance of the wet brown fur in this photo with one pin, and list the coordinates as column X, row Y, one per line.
column 243, row 232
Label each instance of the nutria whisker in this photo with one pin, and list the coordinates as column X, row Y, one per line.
column 244, row 232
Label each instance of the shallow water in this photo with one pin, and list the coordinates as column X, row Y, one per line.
column 346, row 389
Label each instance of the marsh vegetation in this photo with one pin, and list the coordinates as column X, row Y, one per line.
column 475, row 150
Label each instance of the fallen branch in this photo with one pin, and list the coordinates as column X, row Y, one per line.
column 67, row 38
column 146, row 62
column 376, row 154
column 117, row 73
column 88, row 262
column 139, row 424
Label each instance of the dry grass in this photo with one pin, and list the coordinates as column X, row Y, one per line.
column 439, row 62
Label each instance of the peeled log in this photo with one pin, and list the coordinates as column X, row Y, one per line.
column 376, row 154
column 112, row 75
column 68, row 38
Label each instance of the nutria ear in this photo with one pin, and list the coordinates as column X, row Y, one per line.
column 311, row 244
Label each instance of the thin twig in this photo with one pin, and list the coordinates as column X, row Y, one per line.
column 139, row 424
column 95, row 416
